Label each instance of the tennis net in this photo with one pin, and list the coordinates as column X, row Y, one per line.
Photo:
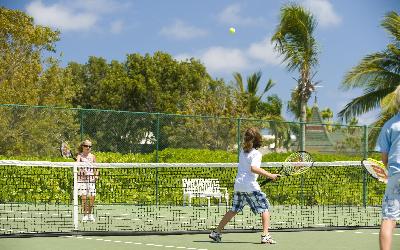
column 42, row 197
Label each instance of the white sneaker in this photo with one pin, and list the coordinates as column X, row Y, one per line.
column 267, row 239
column 85, row 218
column 91, row 218
column 215, row 236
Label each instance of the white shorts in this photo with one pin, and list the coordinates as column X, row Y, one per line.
column 86, row 189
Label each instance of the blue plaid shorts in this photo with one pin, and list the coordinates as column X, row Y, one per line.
column 257, row 201
column 391, row 200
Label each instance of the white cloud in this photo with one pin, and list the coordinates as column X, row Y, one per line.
column 220, row 59
column 264, row 51
column 228, row 60
column 231, row 15
column 368, row 118
column 117, row 26
column 182, row 31
column 74, row 15
column 60, row 17
column 323, row 11
column 98, row 6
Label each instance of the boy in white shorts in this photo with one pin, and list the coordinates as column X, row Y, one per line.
column 247, row 190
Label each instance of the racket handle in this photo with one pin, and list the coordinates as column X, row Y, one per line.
column 264, row 182
column 72, row 156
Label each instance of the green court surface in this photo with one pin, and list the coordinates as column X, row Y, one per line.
column 366, row 239
column 25, row 218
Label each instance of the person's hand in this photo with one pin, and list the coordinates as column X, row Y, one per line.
column 274, row 176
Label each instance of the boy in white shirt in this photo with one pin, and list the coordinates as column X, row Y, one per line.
column 247, row 190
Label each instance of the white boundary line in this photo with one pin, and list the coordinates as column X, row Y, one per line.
column 183, row 247
column 135, row 243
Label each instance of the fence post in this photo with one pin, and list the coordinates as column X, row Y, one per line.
column 157, row 148
column 365, row 155
column 238, row 138
column 81, row 123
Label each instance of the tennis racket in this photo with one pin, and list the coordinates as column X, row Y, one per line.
column 65, row 151
column 296, row 163
column 376, row 168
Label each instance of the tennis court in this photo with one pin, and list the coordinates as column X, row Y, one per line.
column 366, row 239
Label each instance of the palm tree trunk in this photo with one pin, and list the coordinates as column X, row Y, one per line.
column 303, row 106
column 303, row 119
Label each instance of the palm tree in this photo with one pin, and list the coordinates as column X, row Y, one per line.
column 253, row 99
column 378, row 74
column 327, row 114
column 272, row 110
column 294, row 40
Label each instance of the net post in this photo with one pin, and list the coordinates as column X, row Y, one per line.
column 365, row 155
column 75, row 209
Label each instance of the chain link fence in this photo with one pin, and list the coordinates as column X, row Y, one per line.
column 39, row 130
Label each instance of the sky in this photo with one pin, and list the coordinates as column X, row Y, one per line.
column 346, row 32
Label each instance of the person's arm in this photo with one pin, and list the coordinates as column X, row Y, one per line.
column 96, row 171
column 384, row 157
column 262, row 172
column 81, row 172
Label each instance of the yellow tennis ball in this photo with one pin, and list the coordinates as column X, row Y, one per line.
column 232, row 30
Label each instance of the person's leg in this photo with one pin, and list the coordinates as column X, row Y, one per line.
column 265, row 222
column 237, row 206
column 216, row 234
column 386, row 234
column 91, row 204
column 84, row 204
column 227, row 217
column 259, row 204
column 266, row 238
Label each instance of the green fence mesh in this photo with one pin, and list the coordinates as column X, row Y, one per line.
column 37, row 131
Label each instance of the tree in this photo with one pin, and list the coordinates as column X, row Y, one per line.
column 294, row 39
column 21, row 46
column 28, row 78
column 250, row 93
column 149, row 83
column 293, row 106
column 213, row 131
column 378, row 74
column 277, row 124
column 327, row 114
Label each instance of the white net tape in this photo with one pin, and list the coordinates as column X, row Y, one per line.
column 168, row 165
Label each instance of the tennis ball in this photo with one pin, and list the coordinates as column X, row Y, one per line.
column 232, row 30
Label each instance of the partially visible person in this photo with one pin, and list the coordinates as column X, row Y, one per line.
column 389, row 146
column 87, row 177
